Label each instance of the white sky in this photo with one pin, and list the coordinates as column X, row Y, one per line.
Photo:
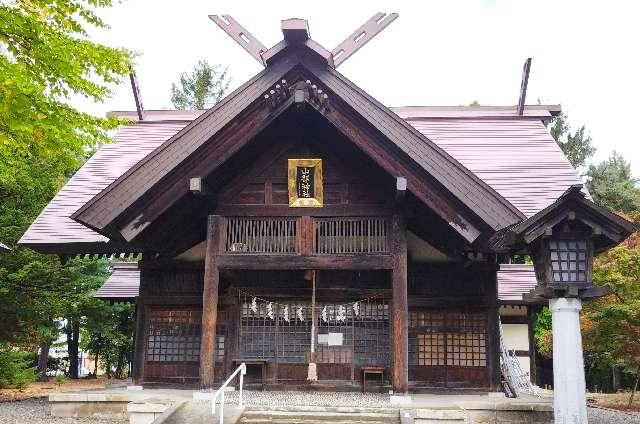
column 586, row 54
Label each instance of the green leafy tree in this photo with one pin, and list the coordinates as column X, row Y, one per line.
column 45, row 57
column 202, row 88
column 612, row 185
column 108, row 336
column 576, row 145
column 611, row 325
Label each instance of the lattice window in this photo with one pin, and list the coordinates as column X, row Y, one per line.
column 569, row 260
column 451, row 338
column 220, row 339
column 174, row 335
column 431, row 349
column 294, row 335
column 371, row 334
column 351, row 235
column 261, row 235
column 257, row 332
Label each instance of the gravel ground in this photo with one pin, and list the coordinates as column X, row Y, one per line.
column 608, row 416
column 36, row 411
column 258, row 398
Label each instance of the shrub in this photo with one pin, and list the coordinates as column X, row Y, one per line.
column 15, row 368
column 60, row 379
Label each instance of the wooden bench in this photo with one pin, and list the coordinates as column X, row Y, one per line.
column 371, row 370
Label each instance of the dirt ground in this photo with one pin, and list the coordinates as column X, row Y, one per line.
column 42, row 389
column 619, row 401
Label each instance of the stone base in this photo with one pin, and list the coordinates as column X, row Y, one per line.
column 145, row 412
column 400, row 400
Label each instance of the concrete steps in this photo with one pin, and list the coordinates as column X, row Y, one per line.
column 439, row 416
column 319, row 414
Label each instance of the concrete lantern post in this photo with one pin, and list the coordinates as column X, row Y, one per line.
column 569, row 398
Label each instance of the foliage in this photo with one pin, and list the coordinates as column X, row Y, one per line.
column 611, row 325
column 16, row 369
column 45, row 57
column 576, row 145
column 108, row 334
column 60, row 379
column 205, row 86
column 612, row 185
column 542, row 332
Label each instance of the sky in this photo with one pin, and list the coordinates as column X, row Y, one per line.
column 586, row 54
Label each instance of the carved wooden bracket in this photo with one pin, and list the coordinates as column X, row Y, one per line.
column 301, row 91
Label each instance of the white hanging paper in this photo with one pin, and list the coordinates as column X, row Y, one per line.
column 254, row 306
column 270, row 310
column 300, row 313
column 356, row 309
column 342, row 313
column 285, row 313
column 324, row 314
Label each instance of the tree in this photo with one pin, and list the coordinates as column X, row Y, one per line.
column 205, row 86
column 612, row 185
column 45, row 56
column 575, row 145
column 611, row 325
column 108, row 335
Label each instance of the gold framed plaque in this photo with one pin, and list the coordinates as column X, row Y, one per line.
column 305, row 183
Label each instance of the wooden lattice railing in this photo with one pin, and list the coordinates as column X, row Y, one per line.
column 261, row 235
column 351, row 235
column 290, row 235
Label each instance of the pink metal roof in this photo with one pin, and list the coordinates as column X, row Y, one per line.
column 131, row 143
column 514, row 280
column 123, row 283
column 517, row 158
column 515, row 155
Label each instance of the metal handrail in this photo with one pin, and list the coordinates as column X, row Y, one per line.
column 242, row 369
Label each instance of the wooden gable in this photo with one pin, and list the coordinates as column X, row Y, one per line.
column 349, row 177
column 155, row 185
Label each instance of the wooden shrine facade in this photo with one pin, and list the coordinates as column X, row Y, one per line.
column 299, row 221
column 451, row 325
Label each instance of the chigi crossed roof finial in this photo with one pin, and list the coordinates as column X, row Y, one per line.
column 296, row 31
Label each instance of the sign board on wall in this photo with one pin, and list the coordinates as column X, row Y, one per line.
column 305, row 183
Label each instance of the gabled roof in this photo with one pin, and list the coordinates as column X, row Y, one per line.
column 122, row 284
column 608, row 227
column 490, row 145
column 103, row 209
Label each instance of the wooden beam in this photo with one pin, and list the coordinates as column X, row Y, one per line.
column 390, row 161
column 361, row 36
column 210, row 302
column 295, row 30
column 493, row 331
column 355, row 261
column 240, row 35
column 401, row 188
column 135, row 87
column 399, row 311
column 523, row 86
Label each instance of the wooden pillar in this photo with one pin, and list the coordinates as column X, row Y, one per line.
column 531, row 319
column 493, row 332
column 210, row 302
column 139, row 340
column 399, row 310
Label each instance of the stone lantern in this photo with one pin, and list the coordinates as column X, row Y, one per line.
column 562, row 240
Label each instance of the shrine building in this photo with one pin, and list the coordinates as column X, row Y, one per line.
column 306, row 229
